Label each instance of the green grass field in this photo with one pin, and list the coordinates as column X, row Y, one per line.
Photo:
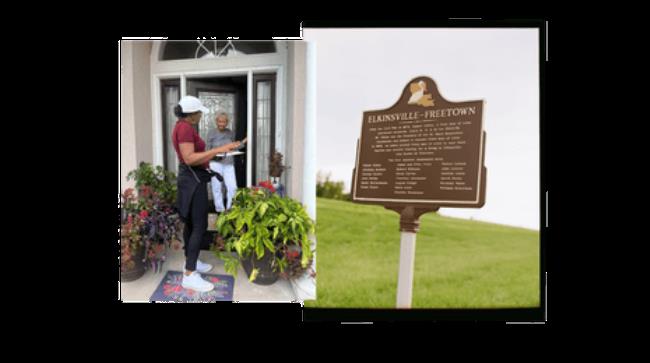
column 458, row 264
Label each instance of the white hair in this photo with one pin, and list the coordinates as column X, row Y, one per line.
column 222, row 114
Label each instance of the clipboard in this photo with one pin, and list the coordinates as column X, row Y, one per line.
column 232, row 153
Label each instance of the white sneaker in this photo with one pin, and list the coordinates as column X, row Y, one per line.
column 201, row 267
column 195, row 282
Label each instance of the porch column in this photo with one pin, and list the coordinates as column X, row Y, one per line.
column 305, row 286
column 309, row 168
column 250, row 133
column 126, row 118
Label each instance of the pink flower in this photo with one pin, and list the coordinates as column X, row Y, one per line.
column 144, row 214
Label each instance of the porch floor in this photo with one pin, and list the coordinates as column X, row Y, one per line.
column 244, row 290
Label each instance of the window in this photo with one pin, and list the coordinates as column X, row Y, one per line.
column 216, row 102
column 263, row 124
column 173, row 50
column 170, row 98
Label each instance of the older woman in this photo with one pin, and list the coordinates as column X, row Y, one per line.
column 219, row 136
column 192, row 195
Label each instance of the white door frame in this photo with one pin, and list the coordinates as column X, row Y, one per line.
column 241, row 65
column 156, row 102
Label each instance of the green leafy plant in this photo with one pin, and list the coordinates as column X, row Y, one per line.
column 149, row 218
column 161, row 181
column 262, row 222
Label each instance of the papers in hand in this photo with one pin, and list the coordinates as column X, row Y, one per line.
column 232, row 153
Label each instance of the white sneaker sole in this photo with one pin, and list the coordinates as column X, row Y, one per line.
column 200, row 271
column 210, row 288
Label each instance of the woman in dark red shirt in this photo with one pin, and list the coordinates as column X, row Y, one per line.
column 192, row 196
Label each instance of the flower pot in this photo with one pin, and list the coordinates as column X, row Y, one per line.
column 134, row 273
column 266, row 275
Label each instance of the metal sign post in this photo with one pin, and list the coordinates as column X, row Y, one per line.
column 420, row 154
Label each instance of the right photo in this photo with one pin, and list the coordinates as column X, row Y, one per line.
column 428, row 160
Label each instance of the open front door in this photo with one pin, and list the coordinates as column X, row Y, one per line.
column 223, row 94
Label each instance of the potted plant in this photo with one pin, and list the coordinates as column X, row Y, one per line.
column 266, row 234
column 132, row 250
column 275, row 171
column 150, row 223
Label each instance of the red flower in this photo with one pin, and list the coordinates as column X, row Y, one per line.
column 145, row 191
column 128, row 193
column 144, row 214
column 268, row 185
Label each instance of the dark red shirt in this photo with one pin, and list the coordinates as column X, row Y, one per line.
column 184, row 132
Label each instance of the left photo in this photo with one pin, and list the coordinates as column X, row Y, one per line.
column 217, row 170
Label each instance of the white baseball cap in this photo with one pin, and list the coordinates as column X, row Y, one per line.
column 191, row 104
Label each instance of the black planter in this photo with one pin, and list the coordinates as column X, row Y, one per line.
column 137, row 271
column 266, row 275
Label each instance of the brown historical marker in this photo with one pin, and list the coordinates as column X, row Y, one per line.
column 420, row 154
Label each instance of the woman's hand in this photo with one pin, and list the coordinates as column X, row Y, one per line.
column 198, row 158
column 233, row 145
column 225, row 148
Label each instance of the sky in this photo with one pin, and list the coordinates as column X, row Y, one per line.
column 366, row 69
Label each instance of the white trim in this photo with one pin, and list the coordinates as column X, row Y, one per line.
column 158, row 157
column 249, row 128
column 156, row 102
column 183, row 86
column 190, row 65
column 478, row 185
column 221, row 66
column 280, row 88
column 250, row 58
column 309, row 132
column 233, row 71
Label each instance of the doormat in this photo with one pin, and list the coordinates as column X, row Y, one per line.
column 170, row 289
